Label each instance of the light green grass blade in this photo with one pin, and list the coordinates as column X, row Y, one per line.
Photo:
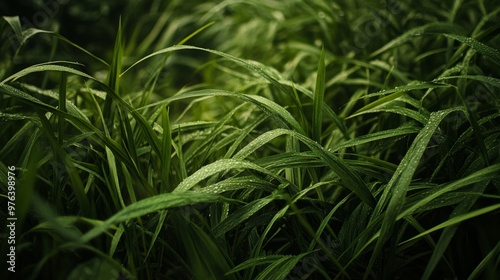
column 113, row 80
column 268, row 75
column 85, row 126
column 351, row 179
column 24, row 35
column 255, row 262
column 398, row 110
column 242, row 135
column 62, row 107
column 239, row 216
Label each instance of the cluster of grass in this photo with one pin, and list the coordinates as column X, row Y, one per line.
column 257, row 140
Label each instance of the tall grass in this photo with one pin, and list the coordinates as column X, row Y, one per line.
column 258, row 140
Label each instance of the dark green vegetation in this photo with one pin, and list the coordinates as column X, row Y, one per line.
column 254, row 140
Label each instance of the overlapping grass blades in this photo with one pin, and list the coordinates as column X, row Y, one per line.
column 316, row 162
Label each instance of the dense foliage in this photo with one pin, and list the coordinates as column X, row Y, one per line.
column 252, row 139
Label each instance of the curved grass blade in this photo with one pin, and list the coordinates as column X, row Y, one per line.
column 150, row 205
column 166, row 150
column 114, row 74
column 395, row 192
column 44, row 67
column 216, row 167
column 489, row 52
column 457, row 219
column 351, row 179
column 485, row 79
column 237, row 183
column 24, row 35
column 485, row 174
column 409, row 87
column 488, row 259
column 255, row 262
column 431, row 28
column 319, row 92
column 241, row 215
column 405, row 129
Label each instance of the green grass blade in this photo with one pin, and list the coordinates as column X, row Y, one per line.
column 487, row 260
column 485, row 174
column 489, row 52
column 113, row 80
column 352, row 180
column 280, row 268
column 431, row 28
column 237, row 183
column 217, row 167
column 77, row 184
column 62, row 107
column 457, row 220
column 151, row 205
column 319, row 92
column 255, row 262
column 277, row 112
column 44, row 67
column 166, row 151
column 397, row 188
column 206, row 258
column 449, row 232
column 405, row 88
column 240, row 216
column 372, row 137
column 485, row 79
